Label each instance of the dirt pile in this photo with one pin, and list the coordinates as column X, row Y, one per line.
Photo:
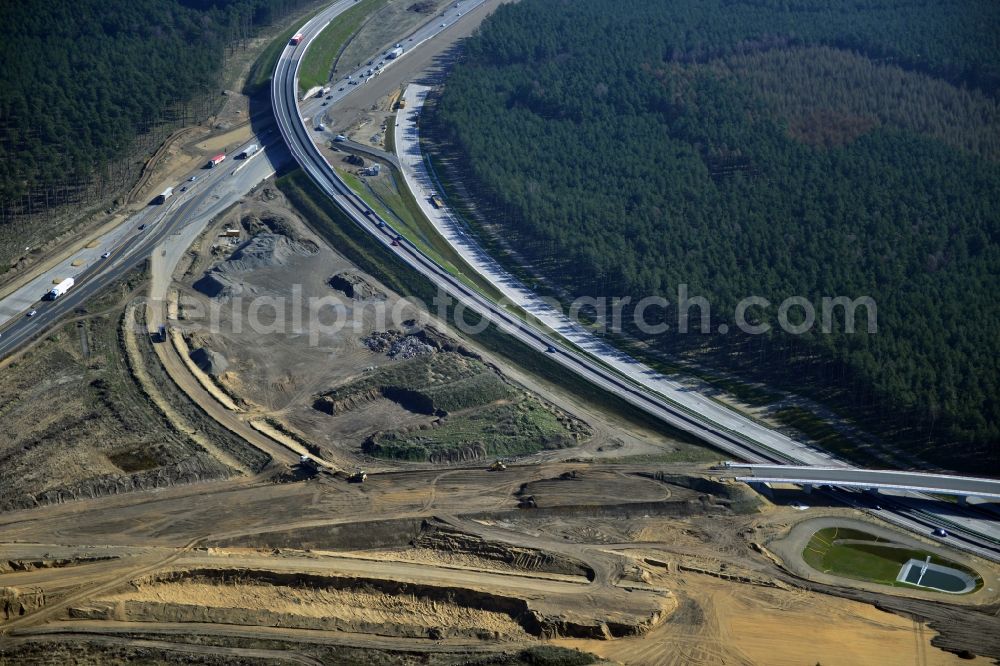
column 209, row 361
column 353, row 285
column 53, row 563
column 441, row 537
column 15, row 602
column 395, row 344
column 262, row 251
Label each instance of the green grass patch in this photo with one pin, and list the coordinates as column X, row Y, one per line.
column 519, row 427
column 396, row 204
column 435, row 383
column 324, row 50
column 863, row 556
column 479, row 413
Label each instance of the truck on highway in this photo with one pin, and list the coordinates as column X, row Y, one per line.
column 297, row 39
column 59, row 289
column 392, row 54
column 216, row 161
column 249, row 150
column 164, row 195
column 436, row 201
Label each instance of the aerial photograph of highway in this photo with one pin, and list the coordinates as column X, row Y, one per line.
column 500, row 332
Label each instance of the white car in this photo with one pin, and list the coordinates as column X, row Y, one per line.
column 192, row 179
column 32, row 313
column 105, row 255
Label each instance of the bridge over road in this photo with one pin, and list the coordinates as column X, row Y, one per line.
column 963, row 487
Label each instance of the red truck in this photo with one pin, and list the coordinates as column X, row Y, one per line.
column 297, row 39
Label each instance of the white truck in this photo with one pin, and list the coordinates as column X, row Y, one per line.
column 164, row 195
column 249, row 150
column 60, row 289
column 392, row 54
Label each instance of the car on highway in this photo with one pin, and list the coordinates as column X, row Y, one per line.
column 940, row 532
column 329, row 96
column 340, row 89
column 141, row 227
column 325, row 103
column 192, row 179
column 184, row 189
column 551, row 349
column 32, row 313
column 444, row 25
column 105, row 255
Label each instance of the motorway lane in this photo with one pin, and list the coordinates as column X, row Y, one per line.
column 214, row 190
column 313, row 107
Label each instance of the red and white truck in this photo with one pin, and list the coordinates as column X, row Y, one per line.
column 216, row 161
column 297, row 39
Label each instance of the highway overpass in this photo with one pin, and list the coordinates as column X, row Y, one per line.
column 869, row 479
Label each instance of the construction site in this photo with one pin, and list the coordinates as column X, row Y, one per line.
column 262, row 447
column 391, row 495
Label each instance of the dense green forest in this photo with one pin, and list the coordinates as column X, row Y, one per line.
column 82, row 78
column 762, row 147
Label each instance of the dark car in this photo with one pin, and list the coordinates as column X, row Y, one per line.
column 141, row 227
column 940, row 532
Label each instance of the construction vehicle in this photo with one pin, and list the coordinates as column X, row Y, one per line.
column 498, row 466
column 401, row 104
column 359, row 476
column 308, row 464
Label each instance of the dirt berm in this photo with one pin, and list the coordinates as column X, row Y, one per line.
column 378, row 606
column 414, row 532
